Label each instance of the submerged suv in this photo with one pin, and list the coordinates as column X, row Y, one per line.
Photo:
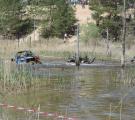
column 26, row 56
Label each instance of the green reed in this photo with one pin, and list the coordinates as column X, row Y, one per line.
column 16, row 77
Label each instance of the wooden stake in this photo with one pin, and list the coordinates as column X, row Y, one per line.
column 77, row 52
column 123, row 34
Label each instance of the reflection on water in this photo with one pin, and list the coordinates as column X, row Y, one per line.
column 87, row 93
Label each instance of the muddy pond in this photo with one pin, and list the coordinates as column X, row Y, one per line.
column 84, row 94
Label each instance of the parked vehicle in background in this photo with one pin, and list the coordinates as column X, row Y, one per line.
column 26, row 56
column 85, row 60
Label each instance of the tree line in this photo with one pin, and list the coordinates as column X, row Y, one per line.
column 108, row 14
column 18, row 17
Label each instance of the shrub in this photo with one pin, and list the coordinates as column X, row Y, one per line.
column 89, row 32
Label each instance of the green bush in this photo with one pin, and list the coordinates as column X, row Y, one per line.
column 88, row 32
column 22, row 27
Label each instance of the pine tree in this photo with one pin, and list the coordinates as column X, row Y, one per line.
column 11, row 22
column 113, row 18
column 62, row 18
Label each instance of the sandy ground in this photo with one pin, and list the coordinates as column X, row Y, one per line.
column 84, row 15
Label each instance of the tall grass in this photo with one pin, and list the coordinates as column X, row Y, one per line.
column 20, row 78
column 54, row 47
column 16, row 78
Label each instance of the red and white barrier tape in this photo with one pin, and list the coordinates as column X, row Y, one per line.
column 45, row 114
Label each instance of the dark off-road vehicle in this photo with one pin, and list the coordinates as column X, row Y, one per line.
column 26, row 56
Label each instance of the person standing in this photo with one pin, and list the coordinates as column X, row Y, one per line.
column 65, row 37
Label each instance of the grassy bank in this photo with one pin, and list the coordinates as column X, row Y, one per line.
column 91, row 44
column 56, row 48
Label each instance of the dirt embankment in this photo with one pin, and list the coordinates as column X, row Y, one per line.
column 84, row 15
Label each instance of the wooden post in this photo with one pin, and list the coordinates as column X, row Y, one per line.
column 30, row 41
column 34, row 23
column 34, row 19
column 18, row 39
column 108, row 50
column 107, row 42
column 77, row 52
column 123, row 34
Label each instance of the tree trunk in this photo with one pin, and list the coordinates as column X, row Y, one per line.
column 123, row 35
column 77, row 50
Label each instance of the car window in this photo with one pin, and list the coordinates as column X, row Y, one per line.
column 19, row 54
column 24, row 54
column 29, row 53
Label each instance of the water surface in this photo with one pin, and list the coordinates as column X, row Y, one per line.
column 87, row 94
